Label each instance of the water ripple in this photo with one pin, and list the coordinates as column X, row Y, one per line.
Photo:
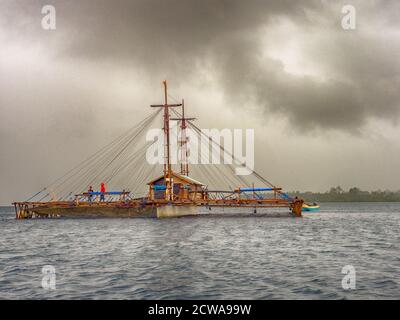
column 205, row 258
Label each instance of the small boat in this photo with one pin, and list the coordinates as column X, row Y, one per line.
column 310, row 207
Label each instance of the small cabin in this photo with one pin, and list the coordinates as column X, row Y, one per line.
column 183, row 187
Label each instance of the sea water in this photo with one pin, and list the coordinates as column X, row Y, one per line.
column 205, row 257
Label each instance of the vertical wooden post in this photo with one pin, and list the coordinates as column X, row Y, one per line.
column 167, row 166
column 16, row 211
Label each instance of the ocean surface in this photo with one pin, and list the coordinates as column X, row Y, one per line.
column 205, row 257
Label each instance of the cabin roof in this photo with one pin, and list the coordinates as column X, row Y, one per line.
column 180, row 176
column 189, row 179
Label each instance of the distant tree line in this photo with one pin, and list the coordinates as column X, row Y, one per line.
column 337, row 194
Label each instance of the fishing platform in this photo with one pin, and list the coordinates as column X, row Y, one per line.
column 174, row 193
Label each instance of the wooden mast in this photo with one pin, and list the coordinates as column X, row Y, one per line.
column 167, row 151
column 184, row 162
column 183, row 141
column 184, row 151
column 167, row 154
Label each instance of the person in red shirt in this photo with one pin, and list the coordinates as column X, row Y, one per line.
column 102, row 190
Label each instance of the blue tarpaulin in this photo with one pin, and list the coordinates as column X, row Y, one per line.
column 255, row 189
column 159, row 187
column 97, row 193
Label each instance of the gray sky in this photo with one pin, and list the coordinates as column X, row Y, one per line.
column 324, row 101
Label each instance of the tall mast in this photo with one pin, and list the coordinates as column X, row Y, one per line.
column 184, row 150
column 184, row 167
column 167, row 153
column 183, row 141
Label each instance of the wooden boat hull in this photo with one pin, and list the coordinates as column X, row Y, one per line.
column 152, row 212
column 141, row 209
column 245, row 211
column 94, row 212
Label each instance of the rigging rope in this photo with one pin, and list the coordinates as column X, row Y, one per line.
column 98, row 155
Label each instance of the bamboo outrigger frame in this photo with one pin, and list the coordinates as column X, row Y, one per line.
column 189, row 194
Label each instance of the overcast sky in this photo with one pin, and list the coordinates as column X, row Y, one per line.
column 324, row 101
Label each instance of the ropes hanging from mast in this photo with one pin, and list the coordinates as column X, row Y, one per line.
column 77, row 178
column 216, row 144
column 145, row 125
column 122, row 163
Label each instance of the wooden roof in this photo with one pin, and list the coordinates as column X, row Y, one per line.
column 180, row 176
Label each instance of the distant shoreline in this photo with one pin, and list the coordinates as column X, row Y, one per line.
column 337, row 194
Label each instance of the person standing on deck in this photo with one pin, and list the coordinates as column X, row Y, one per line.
column 103, row 191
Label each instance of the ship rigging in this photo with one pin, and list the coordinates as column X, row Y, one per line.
column 146, row 193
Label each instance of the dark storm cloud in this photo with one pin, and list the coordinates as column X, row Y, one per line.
column 225, row 37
